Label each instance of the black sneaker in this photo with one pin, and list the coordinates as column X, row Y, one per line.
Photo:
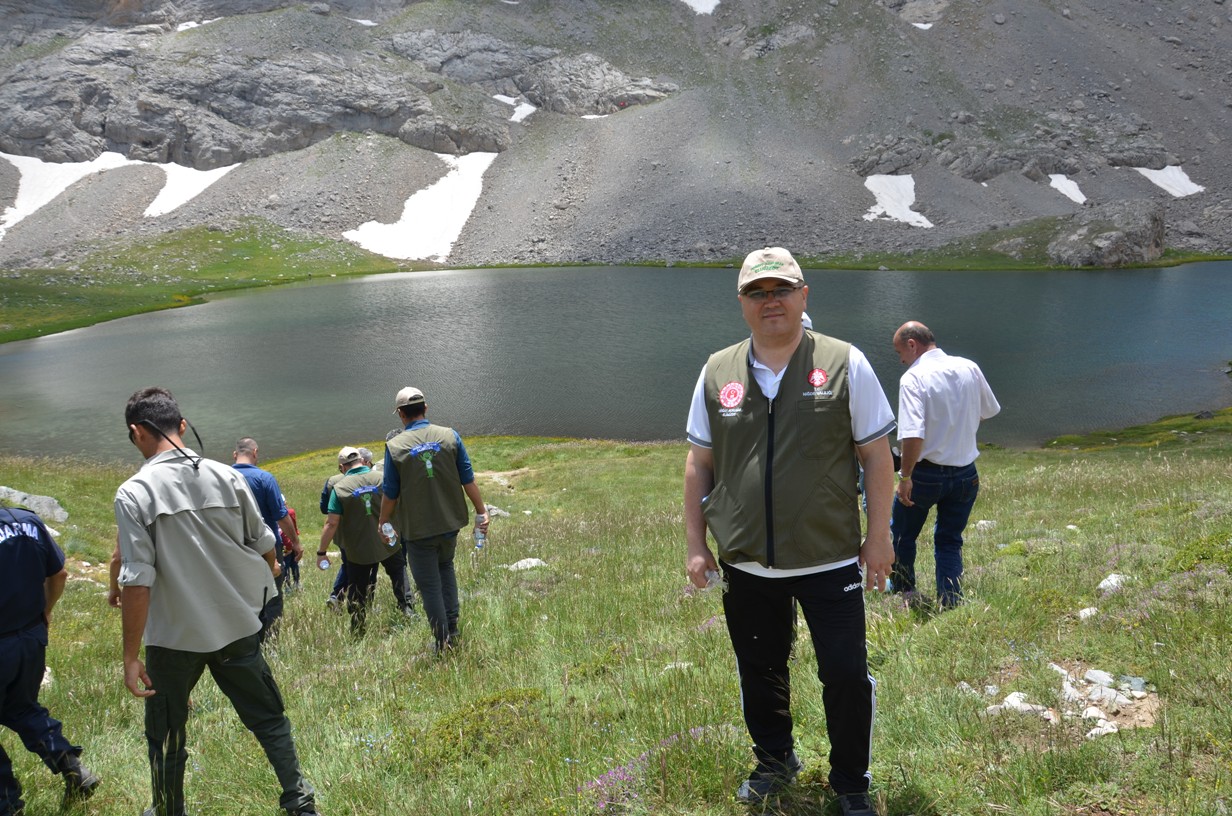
column 856, row 804
column 79, row 783
column 769, row 779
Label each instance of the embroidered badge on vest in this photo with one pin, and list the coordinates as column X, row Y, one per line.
column 367, row 494
column 731, row 395
column 818, row 378
column 425, row 452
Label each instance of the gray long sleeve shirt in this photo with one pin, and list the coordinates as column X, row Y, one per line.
column 197, row 540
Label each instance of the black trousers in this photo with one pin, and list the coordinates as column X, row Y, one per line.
column 242, row 674
column 761, row 620
column 361, row 584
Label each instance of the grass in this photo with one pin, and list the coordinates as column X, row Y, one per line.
column 170, row 270
column 600, row 684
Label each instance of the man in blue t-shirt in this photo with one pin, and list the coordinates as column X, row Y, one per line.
column 268, row 494
column 32, row 578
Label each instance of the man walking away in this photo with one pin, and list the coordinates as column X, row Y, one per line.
column 354, row 507
column 197, row 567
column 941, row 401
column 430, row 465
column 274, row 512
column 32, row 578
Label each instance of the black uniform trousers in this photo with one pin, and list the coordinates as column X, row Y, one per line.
column 244, row 677
column 22, row 663
column 761, row 619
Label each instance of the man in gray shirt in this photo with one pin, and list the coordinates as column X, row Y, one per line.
column 197, row 566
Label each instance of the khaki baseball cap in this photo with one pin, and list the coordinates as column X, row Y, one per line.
column 771, row 262
column 348, row 455
column 408, row 396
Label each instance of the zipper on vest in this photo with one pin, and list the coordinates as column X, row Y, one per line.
column 769, row 484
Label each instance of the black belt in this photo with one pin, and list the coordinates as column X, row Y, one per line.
column 21, row 629
column 934, row 466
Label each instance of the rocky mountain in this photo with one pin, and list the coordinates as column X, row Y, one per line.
column 662, row 129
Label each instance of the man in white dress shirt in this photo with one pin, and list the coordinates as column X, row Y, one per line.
column 941, row 401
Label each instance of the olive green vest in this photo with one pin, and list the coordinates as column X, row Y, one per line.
column 431, row 501
column 358, row 535
column 785, row 471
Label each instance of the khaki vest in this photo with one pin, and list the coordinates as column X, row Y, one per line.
column 431, row 501
column 785, row 471
column 358, row 535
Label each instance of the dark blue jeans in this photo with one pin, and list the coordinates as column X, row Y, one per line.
column 242, row 674
column 952, row 490
column 22, row 662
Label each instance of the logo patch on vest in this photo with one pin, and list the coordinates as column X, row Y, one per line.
column 368, row 494
column 731, row 395
column 424, row 452
column 817, row 378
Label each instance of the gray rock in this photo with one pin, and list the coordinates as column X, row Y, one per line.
column 585, row 84
column 467, row 56
column 889, row 157
column 789, row 36
column 46, row 507
column 109, row 92
column 1110, row 235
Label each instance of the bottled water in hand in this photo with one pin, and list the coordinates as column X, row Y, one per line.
column 390, row 534
column 481, row 538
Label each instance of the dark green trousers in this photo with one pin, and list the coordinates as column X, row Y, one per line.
column 242, row 674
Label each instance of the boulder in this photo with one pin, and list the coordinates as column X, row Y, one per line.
column 585, row 84
column 46, row 507
column 1110, row 235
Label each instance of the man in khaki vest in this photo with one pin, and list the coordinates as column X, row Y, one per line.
column 354, row 507
column 776, row 426
column 429, row 464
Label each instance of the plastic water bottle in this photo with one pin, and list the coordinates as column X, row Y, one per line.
column 391, row 534
column 481, row 537
column 323, row 563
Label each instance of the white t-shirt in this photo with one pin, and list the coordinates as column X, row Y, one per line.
column 941, row 399
column 871, row 419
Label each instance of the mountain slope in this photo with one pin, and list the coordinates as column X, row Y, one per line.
column 756, row 124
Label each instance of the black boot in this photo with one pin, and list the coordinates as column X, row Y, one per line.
column 79, row 781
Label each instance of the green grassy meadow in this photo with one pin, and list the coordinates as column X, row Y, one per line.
column 171, row 270
column 600, row 683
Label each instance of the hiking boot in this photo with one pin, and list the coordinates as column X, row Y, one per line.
column 79, row 782
column 856, row 804
column 769, row 779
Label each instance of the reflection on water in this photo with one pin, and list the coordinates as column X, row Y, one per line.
column 606, row 352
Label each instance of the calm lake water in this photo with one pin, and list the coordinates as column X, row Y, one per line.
column 607, row 352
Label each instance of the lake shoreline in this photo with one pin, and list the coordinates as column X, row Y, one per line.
column 271, row 272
